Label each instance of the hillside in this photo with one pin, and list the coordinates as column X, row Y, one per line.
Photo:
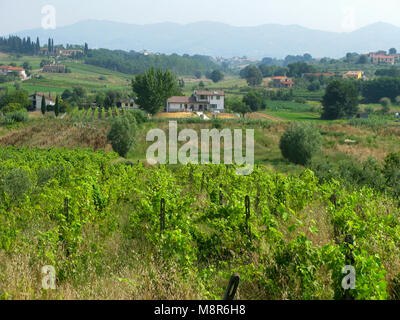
column 92, row 78
column 218, row 39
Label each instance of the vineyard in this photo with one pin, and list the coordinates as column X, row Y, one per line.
column 114, row 229
column 94, row 114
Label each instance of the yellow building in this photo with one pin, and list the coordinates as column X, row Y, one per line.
column 354, row 75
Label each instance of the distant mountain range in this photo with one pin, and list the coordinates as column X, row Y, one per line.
column 218, row 39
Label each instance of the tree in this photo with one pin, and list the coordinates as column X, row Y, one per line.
column 198, row 74
column 57, row 106
column 392, row 51
column 239, row 107
column 111, row 98
column 201, row 85
column 216, row 76
column 340, row 100
column 67, row 94
column 385, row 103
column 376, row 89
column 300, row 142
column 43, row 105
column 253, row 76
column 363, row 59
column 86, row 50
column 298, row 68
column 314, row 86
column 121, row 136
column 100, row 98
column 18, row 96
column 255, row 100
column 153, row 88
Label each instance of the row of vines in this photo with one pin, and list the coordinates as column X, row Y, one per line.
column 288, row 244
column 97, row 113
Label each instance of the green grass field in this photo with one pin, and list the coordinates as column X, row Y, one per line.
column 92, row 78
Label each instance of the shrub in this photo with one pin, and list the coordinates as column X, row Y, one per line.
column 386, row 103
column 397, row 100
column 17, row 183
column 17, row 116
column 300, row 100
column 12, row 107
column 300, row 142
column 140, row 116
column 121, row 135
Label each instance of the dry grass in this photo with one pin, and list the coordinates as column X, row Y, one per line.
column 58, row 134
column 262, row 116
column 176, row 115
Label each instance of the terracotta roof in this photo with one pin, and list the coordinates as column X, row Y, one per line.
column 186, row 100
column 287, row 82
column 41, row 95
column 382, row 56
column 179, row 99
column 210, row 93
column 10, row 68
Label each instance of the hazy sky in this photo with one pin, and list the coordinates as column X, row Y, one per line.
column 338, row 15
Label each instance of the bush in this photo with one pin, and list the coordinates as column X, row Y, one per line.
column 140, row 116
column 300, row 142
column 397, row 100
column 121, row 135
column 386, row 103
column 17, row 116
column 300, row 100
column 12, row 107
column 16, row 184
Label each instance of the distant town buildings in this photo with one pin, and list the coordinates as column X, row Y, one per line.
column 60, row 52
column 199, row 101
column 381, row 57
column 6, row 70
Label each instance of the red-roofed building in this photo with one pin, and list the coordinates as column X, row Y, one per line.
column 5, row 70
column 381, row 57
column 282, row 82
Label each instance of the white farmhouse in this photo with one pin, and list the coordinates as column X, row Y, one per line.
column 199, row 101
column 5, row 70
column 37, row 100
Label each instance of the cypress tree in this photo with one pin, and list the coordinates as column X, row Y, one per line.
column 43, row 107
column 57, row 106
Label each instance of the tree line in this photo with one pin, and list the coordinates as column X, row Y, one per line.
column 14, row 44
column 136, row 63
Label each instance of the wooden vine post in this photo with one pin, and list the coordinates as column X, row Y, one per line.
column 162, row 215
column 232, row 288
column 66, row 214
column 349, row 261
column 248, row 228
column 221, row 197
